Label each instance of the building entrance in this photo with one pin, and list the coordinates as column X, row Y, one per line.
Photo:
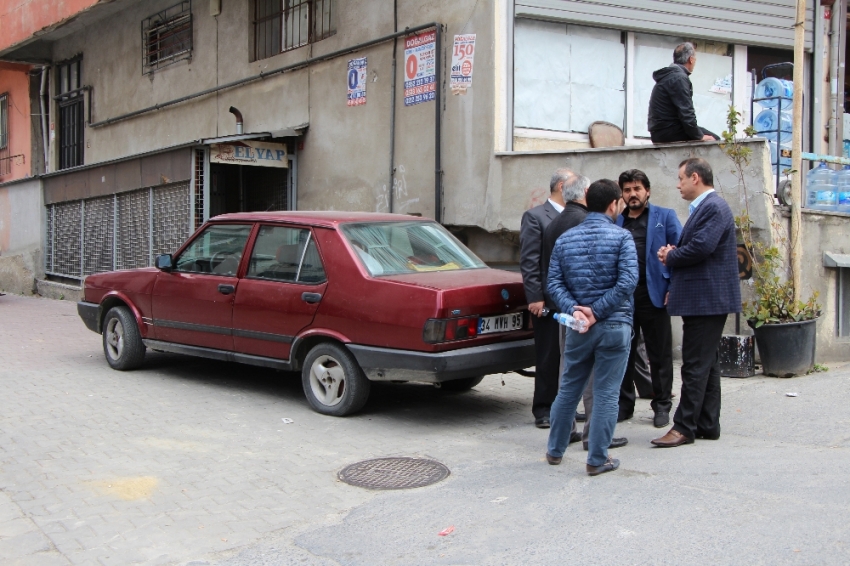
column 250, row 177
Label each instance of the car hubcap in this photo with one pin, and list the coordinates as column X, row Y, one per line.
column 327, row 380
column 114, row 338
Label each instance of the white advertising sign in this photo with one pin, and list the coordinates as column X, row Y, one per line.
column 463, row 55
column 259, row 154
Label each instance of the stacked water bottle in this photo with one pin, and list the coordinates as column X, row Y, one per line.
column 827, row 189
column 774, row 122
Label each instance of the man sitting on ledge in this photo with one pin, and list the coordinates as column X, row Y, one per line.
column 671, row 106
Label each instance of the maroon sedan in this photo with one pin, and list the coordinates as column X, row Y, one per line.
column 347, row 298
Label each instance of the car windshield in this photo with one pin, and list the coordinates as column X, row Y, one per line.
column 390, row 248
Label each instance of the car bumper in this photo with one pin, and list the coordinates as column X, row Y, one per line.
column 90, row 313
column 385, row 364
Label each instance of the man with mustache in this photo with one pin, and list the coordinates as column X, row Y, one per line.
column 652, row 227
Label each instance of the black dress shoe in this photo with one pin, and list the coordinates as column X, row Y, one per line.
column 581, row 417
column 625, row 415
column 661, row 419
column 615, row 443
column 575, row 437
column 542, row 422
column 553, row 460
column 610, row 465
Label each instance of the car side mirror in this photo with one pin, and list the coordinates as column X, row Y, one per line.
column 164, row 262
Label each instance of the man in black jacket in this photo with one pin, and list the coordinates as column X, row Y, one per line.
column 671, row 106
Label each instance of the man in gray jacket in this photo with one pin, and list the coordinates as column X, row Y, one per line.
column 592, row 276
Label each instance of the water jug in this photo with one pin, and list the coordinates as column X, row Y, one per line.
column 772, row 86
column 769, row 121
column 784, row 162
column 842, row 181
column 820, row 188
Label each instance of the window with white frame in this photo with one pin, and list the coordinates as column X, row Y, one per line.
column 568, row 76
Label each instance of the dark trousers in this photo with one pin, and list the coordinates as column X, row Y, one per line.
column 676, row 134
column 654, row 324
column 699, row 406
column 548, row 363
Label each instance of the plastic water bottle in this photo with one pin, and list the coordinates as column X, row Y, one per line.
column 821, row 193
column 569, row 320
column 769, row 121
column 842, row 182
column 775, row 155
column 772, row 86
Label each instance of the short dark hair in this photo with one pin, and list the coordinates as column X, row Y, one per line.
column 699, row 166
column 633, row 176
column 601, row 194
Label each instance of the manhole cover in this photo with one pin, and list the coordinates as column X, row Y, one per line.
column 394, row 473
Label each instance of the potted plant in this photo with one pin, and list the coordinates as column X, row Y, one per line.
column 785, row 328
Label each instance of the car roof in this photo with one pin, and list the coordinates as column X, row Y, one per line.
column 328, row 218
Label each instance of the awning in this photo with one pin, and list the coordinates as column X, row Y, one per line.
column 831, row 259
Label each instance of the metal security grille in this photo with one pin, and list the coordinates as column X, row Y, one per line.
column 171, row 216
column 99, row 230
column 71, row 114
column 67, row 238
column 167, row 37
column 5, row 162
column 281, row 25
column 199, row 188
column 134, row 217
column 122, row 231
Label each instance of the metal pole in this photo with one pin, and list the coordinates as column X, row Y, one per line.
column 438, row 167
column 797, row 151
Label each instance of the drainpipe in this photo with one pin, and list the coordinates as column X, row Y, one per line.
column 391, row 199
column 42, row 101
column 233, row 110
column 834, row 37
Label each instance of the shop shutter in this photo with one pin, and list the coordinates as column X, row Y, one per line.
column 766, row 23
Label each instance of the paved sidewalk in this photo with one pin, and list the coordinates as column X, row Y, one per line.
column 188, row 461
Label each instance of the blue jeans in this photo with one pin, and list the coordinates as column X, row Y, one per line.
column 603, row 350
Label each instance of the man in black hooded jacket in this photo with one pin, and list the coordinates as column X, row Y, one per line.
column 671, row 105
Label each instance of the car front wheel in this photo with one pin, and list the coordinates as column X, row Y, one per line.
column 333, row 381
column 122, row 343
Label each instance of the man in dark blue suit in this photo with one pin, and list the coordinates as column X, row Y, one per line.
column 652, row 227
column 704, row 289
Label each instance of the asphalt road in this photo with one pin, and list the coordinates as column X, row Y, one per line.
column 187, row 461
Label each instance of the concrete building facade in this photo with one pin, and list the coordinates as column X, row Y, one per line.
column 161, row 113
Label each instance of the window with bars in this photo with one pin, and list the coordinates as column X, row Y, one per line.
column 281, row 25
column 167, row 37
column 71, row 113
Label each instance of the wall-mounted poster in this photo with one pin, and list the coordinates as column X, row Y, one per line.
column 463, row 55
column 357, row 81
column 420, row 57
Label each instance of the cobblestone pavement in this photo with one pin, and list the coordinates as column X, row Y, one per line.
column 188, row 461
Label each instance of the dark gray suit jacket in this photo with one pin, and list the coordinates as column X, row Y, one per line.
column 704, row 265
column 534, row 222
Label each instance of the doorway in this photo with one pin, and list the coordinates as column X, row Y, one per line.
column 243, row 188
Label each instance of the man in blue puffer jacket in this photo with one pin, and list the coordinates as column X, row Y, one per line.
column 592, row 276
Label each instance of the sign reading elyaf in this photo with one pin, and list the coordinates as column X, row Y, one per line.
column 250, row 153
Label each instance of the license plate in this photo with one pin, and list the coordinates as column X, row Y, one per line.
column 501, row 323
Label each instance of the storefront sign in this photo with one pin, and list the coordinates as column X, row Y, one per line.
column 250, row 153
column 420, row 57
column 357, row 81
column 463, row 55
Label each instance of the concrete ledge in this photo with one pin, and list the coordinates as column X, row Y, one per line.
column 59, row 291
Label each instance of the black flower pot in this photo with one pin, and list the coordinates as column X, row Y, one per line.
column 787, row 349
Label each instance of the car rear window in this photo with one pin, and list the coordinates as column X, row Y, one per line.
column 390, row 248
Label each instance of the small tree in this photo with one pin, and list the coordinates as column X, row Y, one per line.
column 774, row 290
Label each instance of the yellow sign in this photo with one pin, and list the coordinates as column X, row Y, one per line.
column 250, row 153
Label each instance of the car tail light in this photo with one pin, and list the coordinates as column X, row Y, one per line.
column 450, row 329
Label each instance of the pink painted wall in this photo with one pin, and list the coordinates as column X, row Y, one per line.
column 14, row 81
column 20, row 19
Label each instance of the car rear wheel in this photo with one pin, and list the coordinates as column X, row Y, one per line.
column 333, row 381
column 464, row 384
column 122, row 343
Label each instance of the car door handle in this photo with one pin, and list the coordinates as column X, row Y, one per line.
column 311, row 298
column 225, row 289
